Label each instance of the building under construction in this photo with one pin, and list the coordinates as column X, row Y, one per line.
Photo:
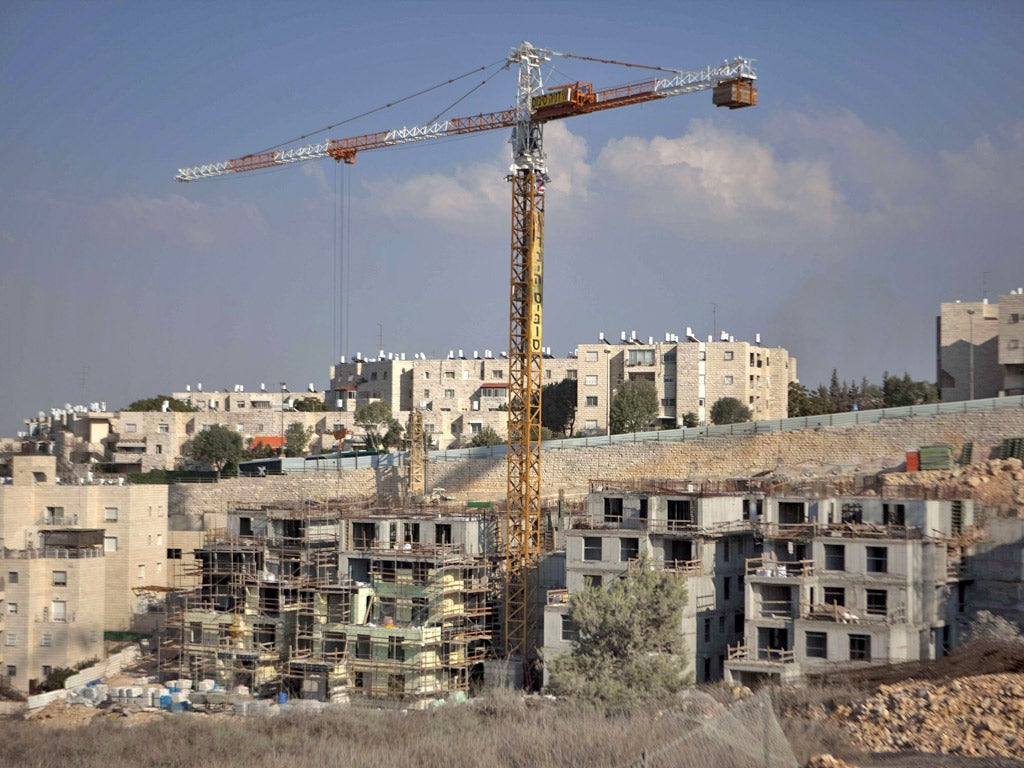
column 338, row 601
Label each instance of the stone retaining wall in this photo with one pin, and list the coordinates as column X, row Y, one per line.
column 823, row 451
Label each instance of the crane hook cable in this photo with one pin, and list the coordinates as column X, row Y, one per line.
column 377, row 109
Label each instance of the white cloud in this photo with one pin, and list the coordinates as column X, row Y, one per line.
column 731, row 185
column 989, row 170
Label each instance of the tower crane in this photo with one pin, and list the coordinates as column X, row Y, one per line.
column 732, row 86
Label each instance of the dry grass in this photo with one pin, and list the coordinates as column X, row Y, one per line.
column 498, row 730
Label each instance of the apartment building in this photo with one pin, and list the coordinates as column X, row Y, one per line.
column 335, row 602
column 113, row 540
column 853, row 580
column 139, row 441
column 460, row 396
column 689, row 376
column 704, row 538
column 981, row 348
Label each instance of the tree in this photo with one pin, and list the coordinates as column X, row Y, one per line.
column 729, row 410
column 634, row 406
column 381, row 428
column 629, row 644
column 296, row 438
column 216, row 446
column 157, row 404
column 558, row 407
column 260, row 450
column 690, row 419
column 310, row 404
column 898, row 391
column 486, row 436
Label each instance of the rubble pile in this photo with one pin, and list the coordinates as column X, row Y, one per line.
column 827, row 761
column 993, row 483
column 972, row 717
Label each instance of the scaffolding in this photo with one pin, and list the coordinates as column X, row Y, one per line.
column 272, row 611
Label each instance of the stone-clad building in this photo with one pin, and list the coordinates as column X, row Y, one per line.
column 981, row 348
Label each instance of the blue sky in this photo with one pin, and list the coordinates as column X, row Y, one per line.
column 879, row 176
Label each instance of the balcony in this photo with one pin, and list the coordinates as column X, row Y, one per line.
column 760, row 567
column 841, row 614
column 772, row 655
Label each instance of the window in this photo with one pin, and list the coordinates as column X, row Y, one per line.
column 58, row 610
column 591, row 547
column 449, row 393
column 629, row 549
column 163, row 429
column 110, row 514
column 613, row 509
column 426, row 393
column 1014, row 317
column 12, row 670
column 737, row 623
column 860, row 647
column 11, row 639
column 727, row 588
column 835, row 557
column 894, row 514
column 55, row 515
column 60, row 578
column 493, row 391
column 240, row 427
column 668, row 402
column 158, row 449
column 590, row 356
column 817, row 645
column 835, row 596
column 498, row 373
column 46, row 641
column 362, row 646
column 1013, row 344
column 174, row 554
column 571, row 373
column 420, row 610
column 195, row 632
column 877, row 602
column 131, row 427
column 12, row 607
column 590, row 424
column 878, row 559
column 591, row 581
column 395, row 649
column 707, row 630
column 449, row 374
column 569, row 631
column 592, row 400
column 475, row 427
column 727, row 356
column 12, row 577
column 702, row 355
column 680, row 513
column 110, row 543
column 640, row 357
column 140, row 572
column 726, row 551
column 727, row 379
column 590, row 380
